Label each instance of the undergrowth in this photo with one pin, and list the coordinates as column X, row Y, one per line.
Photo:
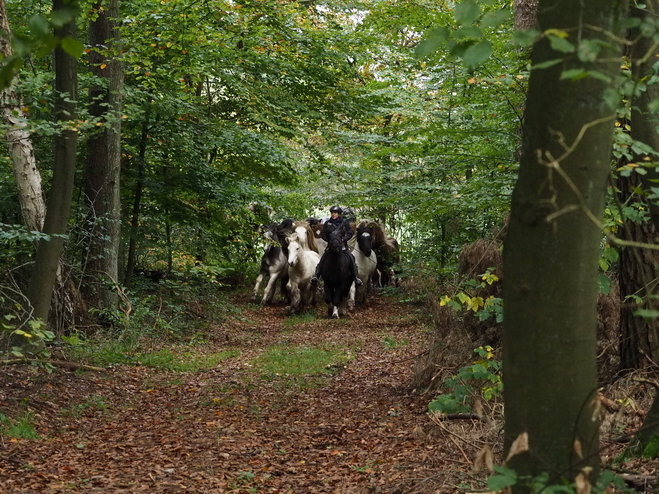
column 21, row 427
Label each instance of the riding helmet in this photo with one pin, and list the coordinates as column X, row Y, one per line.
column 335, row 208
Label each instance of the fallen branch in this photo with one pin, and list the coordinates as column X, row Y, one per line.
column 459, row 416
column 55, row 363
column 640, row 482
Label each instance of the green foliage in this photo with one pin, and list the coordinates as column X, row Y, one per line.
column 32, row 332
column 505, row 478
column 467, row 38
column 483, row 375
column 652, row 449
column 492, row 307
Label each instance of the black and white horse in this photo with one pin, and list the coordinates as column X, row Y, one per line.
column 274, row 264
column 337, row 276
column 366, row 261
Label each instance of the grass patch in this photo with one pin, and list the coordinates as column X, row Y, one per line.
column 295, row 361
column 108, row 353
column 20, row 428
column 92, row 404
column 183, row 362
column 297, row 319
column 392, row 343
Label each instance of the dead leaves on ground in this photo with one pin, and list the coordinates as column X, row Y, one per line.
column 136, row 429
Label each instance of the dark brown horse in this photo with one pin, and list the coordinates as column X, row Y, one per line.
column 387, row 251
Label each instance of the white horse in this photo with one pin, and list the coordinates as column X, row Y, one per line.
column 302, row 261
column 366, row 262
column 273, row 264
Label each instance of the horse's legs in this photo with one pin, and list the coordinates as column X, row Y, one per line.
column 285, row 295
column 352, row 296
column 259, row 280
column 269, row 291
column 335, row 312
column 314, row 295
column 294, row 290
column 343, row 307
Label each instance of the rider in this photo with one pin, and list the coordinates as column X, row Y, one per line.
column 336, row 221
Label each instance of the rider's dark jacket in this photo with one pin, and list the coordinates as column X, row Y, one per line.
column 332, row 224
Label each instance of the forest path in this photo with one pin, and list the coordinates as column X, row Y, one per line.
column 356, row 429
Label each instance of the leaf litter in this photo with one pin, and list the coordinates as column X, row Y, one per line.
column 358, row 428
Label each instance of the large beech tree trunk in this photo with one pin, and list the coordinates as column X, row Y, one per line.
column 551, row 250
column 102, row 172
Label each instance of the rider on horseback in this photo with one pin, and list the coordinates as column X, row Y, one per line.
column 336, row 221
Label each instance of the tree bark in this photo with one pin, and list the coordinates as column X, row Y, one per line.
column 640, row 336
column 44, row 271
column 21, row 151
column 102, row 173
column 551, row 250
column 525, row 14
column 525, row 19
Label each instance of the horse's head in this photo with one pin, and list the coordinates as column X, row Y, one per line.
column 284, row 229
column 293, row 249
column 336, row 241
column 365, row 239
column 269, row 233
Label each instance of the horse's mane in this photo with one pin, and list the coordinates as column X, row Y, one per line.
column 307, row 239
column 381, row 241
column 316, row 226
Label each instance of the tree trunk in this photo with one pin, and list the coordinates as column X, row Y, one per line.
column 551, row 251
column 525, row 14
column 525, row 19
column 44, row 271
column 640, row 336
column 636, row 272
column 102, row 172
column 21, row 151
column 137, row 200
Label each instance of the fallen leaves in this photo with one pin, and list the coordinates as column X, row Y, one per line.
column 229, row 429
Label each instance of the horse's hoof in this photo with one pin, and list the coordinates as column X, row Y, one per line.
column 335, row 316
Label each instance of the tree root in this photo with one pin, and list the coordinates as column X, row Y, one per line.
column 55, row 363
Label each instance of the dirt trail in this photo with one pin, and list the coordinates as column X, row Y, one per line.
column 358, row 429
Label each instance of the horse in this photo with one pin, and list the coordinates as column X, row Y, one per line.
column 366, row 261
column 337, row 276
column 283, row 230
column 303, row 258
column 387, row 250
column 273, row 264
column 317, row 227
